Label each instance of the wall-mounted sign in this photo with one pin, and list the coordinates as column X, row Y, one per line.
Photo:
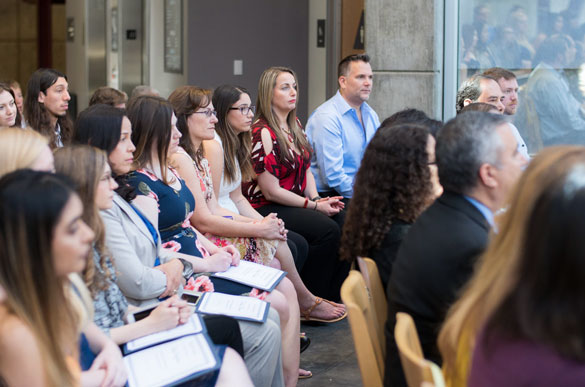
column 173, row 36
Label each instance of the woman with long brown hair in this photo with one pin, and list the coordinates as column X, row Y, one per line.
column 283, row 183
column 44, row 243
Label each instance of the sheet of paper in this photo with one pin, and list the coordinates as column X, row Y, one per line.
column 240, row 307
column 169, row 362
column 192, row 326
column 254, row 275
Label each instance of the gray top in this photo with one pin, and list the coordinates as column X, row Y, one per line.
column 109, row 305
column 134, row 251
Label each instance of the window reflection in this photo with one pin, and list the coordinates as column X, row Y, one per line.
column 542, row 43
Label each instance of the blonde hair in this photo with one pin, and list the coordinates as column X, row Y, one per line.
column 85, row 165
column 497, row 271
column 19, row 148
column 266, row 86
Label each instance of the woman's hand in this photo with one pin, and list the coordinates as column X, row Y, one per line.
column 168, row 314
column 234, row 253
column 110, row 360
column 218, row 262
column 271, row 227
column 330, row 206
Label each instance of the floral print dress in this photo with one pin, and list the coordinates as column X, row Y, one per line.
column 257, row 250
column 175, row 208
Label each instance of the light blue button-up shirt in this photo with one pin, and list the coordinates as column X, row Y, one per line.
column 485, row 211
column 339, row 141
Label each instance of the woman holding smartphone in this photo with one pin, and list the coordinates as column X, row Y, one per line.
column 88, row 168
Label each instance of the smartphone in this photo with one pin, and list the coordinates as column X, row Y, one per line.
column 191, row 297
column 141, row 313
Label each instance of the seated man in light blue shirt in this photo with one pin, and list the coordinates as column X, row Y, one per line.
column 340, row 128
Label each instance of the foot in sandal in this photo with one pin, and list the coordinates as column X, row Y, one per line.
column 304, row 374
column 323, row 311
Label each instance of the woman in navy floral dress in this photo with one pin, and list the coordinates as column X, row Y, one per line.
column 166, row 201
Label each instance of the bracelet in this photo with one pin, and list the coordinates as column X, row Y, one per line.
column 306, row 202
column 316, row 198
column 315, row 206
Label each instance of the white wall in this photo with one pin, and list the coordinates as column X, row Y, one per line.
column 165, row 83
column 317, row 57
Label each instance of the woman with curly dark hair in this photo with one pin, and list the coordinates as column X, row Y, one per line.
column 396, row 181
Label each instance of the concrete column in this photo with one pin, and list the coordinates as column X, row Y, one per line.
column 405, row 42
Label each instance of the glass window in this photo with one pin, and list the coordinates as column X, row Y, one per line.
column 541, row 42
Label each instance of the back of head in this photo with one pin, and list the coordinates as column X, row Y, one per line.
column 480, row 107
column 345, row 63
column 19, row 148
column 463, row 145
column 108, row 96
column 393, row 183
column 99, row 125
column 547, row 256
column 413, row 116
column 470, row 89
column 406, row 116
column 151, row 126
column 31, row 204
column 144, row 90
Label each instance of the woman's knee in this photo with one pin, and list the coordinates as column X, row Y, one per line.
column 279, row 302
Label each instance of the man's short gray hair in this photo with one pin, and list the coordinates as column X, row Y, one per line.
column 470, row 89
column 463, row 145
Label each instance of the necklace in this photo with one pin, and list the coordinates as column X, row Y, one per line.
column 289, row 134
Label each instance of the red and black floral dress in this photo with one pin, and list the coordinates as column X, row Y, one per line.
column 292, row 176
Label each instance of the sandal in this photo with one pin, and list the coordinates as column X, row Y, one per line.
column 307, row 376
column 306, row 314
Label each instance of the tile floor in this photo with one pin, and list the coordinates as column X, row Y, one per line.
column 331, row 356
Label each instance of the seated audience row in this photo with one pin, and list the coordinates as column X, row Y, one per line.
column 149, row 271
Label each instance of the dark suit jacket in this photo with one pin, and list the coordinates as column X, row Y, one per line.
column 434, row 261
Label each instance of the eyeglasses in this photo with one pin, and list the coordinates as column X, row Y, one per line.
column 245, row 109
column 208, row 113
column 108, row 178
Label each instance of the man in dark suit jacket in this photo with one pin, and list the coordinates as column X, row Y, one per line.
column 478, row 161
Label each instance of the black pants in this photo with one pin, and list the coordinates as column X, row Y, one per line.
column 224, row 330
column 299, row 248
column 323, row 272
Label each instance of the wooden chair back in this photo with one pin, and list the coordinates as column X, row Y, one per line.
column 369, row 271
column 362, row 320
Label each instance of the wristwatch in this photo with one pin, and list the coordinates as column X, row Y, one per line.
column 187, row 269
